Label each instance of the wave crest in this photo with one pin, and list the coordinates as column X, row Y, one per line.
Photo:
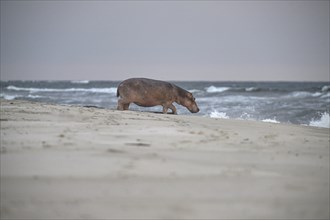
column 80, row 81
column 268, row 120
column 325, row 88
column 213, row 89
column 90, row 90
column 323, row 122
column 216, row 114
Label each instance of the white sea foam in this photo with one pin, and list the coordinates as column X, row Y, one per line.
column 270, row 120
column 251, row 89
column 12, row 97
column 213, row 89
column 302, row 94
column 102, row 90
column 245, row 116
column 216, row 114
column 9, row 97
column 325, row 88
column 194, row 90
column 80, row 81
column 91, row 90
column 323, row 122
column 316, row 94
column 33, row 96
column 327, row 95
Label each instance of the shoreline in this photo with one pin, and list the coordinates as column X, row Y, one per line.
column 313, row 123
column 62, row 161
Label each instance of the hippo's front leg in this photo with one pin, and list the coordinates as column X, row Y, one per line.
column 169, row 106
column 172, row 107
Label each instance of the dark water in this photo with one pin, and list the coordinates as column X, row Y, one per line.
column 304, row 103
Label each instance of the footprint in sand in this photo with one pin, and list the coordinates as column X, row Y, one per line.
column 138, row 144
column 116, row 151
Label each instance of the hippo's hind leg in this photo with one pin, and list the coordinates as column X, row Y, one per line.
column 122, row 105
column 126, row 106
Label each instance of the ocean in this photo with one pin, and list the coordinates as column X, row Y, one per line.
column 301, row 103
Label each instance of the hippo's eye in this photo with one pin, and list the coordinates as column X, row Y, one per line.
column 194, row 98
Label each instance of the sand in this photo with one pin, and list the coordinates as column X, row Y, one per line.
column 77, row 162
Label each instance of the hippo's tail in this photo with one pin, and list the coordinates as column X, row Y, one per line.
column 119, row 89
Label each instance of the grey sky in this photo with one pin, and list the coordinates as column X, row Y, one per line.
column 176, row 40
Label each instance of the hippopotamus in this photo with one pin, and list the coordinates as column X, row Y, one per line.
column 149, row 92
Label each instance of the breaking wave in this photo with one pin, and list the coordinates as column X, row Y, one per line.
column 271, row 121
column 323, row 122
column 213, row 89
column 9, row 97
column 252, row 89
column 327, row 95
column 325, row 88
column 255, row 89
column 89, row 90
column 80, row 81
column 302, row 94
column 216, row 114
column 12, row 97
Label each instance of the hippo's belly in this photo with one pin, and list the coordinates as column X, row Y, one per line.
column 146, row 103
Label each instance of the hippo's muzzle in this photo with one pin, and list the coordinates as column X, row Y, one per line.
column 195, row 109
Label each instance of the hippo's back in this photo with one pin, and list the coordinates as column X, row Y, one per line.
column 144, row 82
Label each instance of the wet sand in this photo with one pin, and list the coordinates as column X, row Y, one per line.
column 77, row 162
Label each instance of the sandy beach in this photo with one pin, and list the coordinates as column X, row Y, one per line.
column 78, row 162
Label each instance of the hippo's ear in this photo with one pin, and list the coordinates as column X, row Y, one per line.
column 190, row 96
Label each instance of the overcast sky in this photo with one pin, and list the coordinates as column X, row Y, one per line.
column 175, row 40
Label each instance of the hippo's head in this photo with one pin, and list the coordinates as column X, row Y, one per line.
column 189, row 103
